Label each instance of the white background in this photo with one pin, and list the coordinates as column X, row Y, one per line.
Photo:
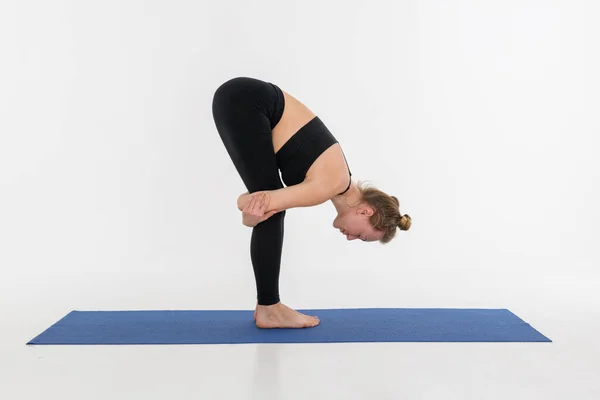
column 117, row 193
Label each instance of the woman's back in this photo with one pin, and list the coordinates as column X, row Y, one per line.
column 330, row 167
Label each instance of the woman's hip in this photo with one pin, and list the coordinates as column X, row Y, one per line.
column 239, row 98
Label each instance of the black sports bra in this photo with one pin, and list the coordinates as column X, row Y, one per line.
column 296, row 156
column 349, row 183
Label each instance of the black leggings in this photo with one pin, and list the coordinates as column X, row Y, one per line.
column 245, row 111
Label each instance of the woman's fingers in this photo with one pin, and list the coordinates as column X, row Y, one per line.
column 265, row 202
column 250, row 204
column 268, row 215
column 257, row 204
column 260, row 200
column 262, row 203
column 257, row 199
column 271, row 213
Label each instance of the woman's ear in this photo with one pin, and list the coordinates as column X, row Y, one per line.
column 367, row 211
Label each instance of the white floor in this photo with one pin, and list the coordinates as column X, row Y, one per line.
column 566, row 368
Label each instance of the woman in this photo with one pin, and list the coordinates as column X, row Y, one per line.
column 265, row 130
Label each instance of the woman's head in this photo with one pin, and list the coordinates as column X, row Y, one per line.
column 375, row 216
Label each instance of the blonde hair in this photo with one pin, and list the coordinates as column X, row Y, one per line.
column 387, row 216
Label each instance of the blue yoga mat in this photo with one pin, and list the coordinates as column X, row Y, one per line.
column 337, row 325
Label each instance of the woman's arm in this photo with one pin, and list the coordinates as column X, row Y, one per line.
column 305, row 194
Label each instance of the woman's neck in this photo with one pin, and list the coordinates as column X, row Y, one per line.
column 351, row 198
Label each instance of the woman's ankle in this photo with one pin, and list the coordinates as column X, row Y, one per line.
column 268, row 306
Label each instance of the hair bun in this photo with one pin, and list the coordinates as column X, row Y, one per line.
column 405, row 222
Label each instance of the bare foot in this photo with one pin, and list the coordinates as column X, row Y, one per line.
column 281, row 316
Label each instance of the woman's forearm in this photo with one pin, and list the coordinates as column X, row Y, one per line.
column 305, row 194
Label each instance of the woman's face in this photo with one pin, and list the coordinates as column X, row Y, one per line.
column 354, row 224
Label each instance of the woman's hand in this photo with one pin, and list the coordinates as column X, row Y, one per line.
column 255, row 209
column 242, row 200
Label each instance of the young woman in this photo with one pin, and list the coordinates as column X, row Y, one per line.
column 266, row 130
